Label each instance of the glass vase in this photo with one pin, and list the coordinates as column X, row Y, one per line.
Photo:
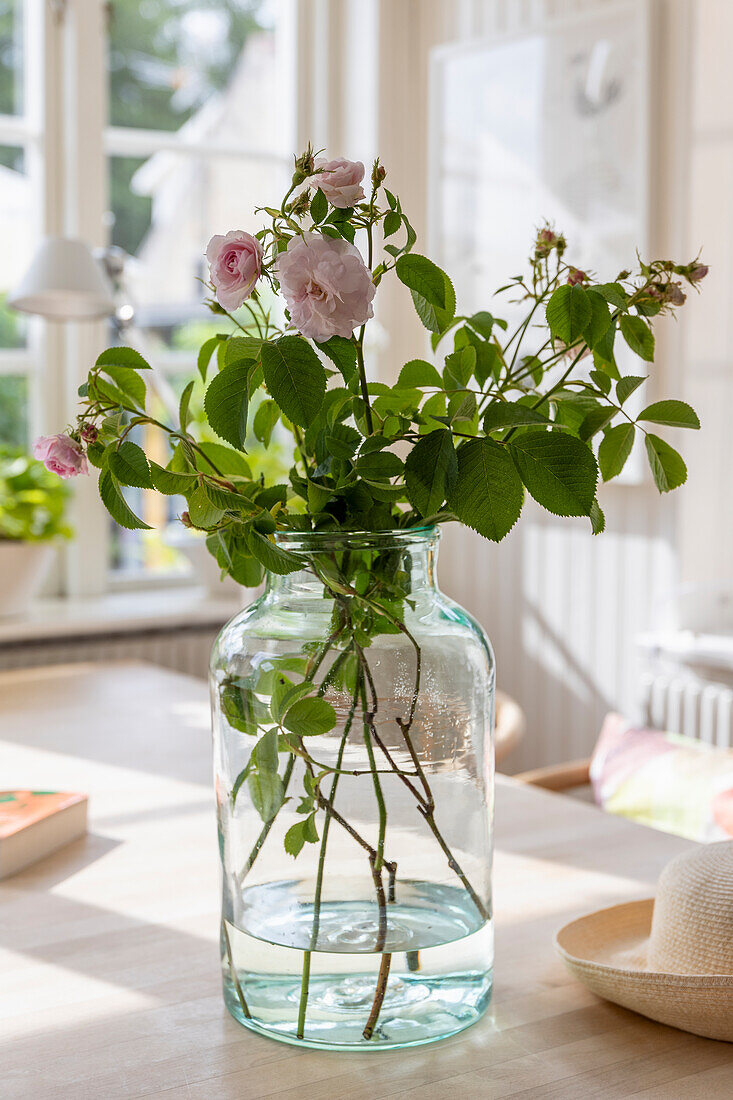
column 353, row 717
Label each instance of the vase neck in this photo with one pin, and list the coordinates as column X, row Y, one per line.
column 350, row 562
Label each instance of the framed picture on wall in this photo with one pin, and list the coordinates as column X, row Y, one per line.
column 547, row 122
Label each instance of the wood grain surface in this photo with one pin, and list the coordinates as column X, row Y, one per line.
column 109, row 971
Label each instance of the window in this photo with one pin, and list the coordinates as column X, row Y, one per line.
column 19, row 218
column 200, row 130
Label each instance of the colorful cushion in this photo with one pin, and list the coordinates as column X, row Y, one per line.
column 664, row 780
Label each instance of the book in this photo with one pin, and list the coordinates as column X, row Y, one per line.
column 35, row 823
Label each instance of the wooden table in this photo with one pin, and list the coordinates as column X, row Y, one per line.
column 109, row 974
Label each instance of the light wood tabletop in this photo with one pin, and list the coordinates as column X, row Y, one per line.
column 109, row 970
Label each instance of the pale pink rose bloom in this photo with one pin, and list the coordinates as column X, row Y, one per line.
column 61, row 455
column 340, row 181
column 235, row 263
column 327, row 286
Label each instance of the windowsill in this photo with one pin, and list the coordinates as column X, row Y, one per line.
column 120, row 613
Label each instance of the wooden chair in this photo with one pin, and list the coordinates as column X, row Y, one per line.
column 509, row 725
column 558, row 777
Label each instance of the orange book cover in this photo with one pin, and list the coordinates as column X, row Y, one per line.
column 19, row 809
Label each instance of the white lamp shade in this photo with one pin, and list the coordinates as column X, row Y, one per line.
column 64, row 283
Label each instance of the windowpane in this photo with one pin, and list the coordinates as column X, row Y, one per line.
column 206, row 63
column 11, row 57
column 13, row 410
column 17, row 233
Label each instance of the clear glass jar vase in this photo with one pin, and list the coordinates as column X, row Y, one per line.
column 353, row 716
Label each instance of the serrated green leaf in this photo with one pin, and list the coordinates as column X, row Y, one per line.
column 310, row 717
column 222, row 460
column 264, row 422
column 184, row 415
column 227, row 402
column 241, row 708
column 668, row 468
column 130, row 466
column 115, row 503
column 342, row 354
column 129, row 383
column 431, row 469
column 266, row 792
column 274, row 558
column 614, row 450
column 638, row 336
column 379, row 465
column 265, row 752
column 594, row 420
column 122, row 357
column 597, row 519
column 432, row 291
column 488, row 493
column 204, row 356
column 568, row 313
column 203, row 513
column 418, row 373
column 170, row 482
column 600, row 319
column 318, row 496
column 558, row 470
column 241, row 347
column 295, row 377
column 319, row 206
column 613, row 293
column 601, row 380
column 626, row 386
column 509, row 414
column 677, row 414
column 295, row 839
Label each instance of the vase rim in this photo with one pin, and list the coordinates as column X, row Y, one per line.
column 390, row 538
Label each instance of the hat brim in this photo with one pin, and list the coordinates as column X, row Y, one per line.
column 606, row 950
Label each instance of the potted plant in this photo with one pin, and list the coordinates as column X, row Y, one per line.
column 353, row 702
column 32, row 508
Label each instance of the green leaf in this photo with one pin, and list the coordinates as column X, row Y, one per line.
column 309, row 717
column 601, row 380
column 169, row 482
column 418, row 373
column 266, row 418
column 274, row 558
column 342, row 354
column 266, row 792
column 568, row 313
column 116, row 505
column 203, row 513
column 597, row 519
column 183, row 413
column 318, row 496
column 431, row 469
column 488, row 493
column 285, row 694
column 227, row 401
column 122, row 357
column 241, row 708
column 379, row 465
column 295, row 377
column 240, row 780
column 223, row 458
column 626, row 386
column 638, row 336
column 615, row 448
column 678, row 414
column 509, row 414
column 130, row 466
column 594, row 420
column 265, row 752
column 432, row 291
column 558, row 470
column 129, row 383
column 420, row 274
column 241, row 347
column 319, row 206
column 613, row 293
column 667, row 466
column 294, row 839
column 600, row 319
column 205, row 352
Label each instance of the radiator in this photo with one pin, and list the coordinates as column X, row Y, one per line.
column 183, row 650
column 685, row 704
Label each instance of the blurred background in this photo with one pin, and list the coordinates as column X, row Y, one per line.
column 144, row 126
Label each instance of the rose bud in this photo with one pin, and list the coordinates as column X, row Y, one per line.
column 697, row 272
column 88, row 433
column 576, row 276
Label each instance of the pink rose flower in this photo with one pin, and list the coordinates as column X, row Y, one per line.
column 61, row 455
column 235, row 263
column 327, row 286
column 340, row 181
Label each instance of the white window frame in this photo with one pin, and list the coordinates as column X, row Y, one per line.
column 67, row 141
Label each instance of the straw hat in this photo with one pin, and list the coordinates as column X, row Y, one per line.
column 672, row 959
